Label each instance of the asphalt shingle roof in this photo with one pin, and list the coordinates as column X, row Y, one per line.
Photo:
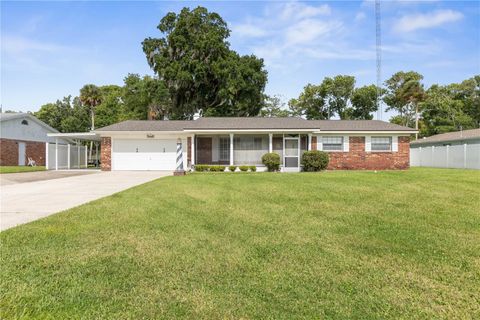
column 450, row 136
column 236, row 123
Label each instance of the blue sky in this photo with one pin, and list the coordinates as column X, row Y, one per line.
column 50, row 49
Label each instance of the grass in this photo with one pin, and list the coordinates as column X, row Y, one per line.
column 364, row 245
column 17, row 169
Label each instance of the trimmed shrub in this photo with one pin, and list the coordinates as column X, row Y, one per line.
column 271, row 161
column 232, row 168
column 243, row 168
column 314, row 160
column 201, row 167
column 216, row 168
column 253, row 168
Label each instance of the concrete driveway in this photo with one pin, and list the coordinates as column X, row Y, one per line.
column 24, row 202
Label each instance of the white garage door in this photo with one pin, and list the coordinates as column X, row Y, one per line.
column 144, row 154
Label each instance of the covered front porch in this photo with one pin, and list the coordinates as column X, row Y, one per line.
column 248, row 148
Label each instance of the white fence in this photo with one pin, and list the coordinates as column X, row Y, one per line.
column 464, row 156
column 66, row 157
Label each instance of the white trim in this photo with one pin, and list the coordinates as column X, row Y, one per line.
column 46, row 155
column 394, row 143
column 231, row 149
column 192, row 143
column 68, row 156
column 319, row 143
column 346, row 143
column 362, row 133
column 291, row 169
column 86, row 157
column 270, row 142
column 56, row 154
column 368, row 143
column 309, row 142
column 299, row 130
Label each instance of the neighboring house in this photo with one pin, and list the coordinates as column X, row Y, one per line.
column 23, row 136
column 449, row 139
column 460, row 149
column 351, row 144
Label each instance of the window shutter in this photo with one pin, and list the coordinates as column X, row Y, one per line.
column 346, row 143
column 368, row 143
column 394, row 143
column 319, row 143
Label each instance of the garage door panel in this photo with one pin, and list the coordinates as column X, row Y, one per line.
column 144, row 154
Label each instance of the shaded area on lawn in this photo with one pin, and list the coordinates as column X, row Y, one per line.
column 310, row 245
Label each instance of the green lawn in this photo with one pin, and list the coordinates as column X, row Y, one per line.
column 364, row 245
column 17, row 169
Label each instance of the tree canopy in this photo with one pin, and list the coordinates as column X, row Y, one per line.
column 201, row 72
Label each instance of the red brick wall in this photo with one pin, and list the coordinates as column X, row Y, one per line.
column 106, row 154
column 358, row 159
column 9, row 152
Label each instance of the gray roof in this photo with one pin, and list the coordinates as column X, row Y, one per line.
column 450, row 136
column 12, row 115
column 252, row 123
column 147, row 125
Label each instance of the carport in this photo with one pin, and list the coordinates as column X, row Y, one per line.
column 61, row 156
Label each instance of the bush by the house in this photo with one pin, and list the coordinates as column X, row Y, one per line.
column 232, row 168
column 314, row 160
column 253, row 168
column 201, row 167
column 271, row 161
column 243, row 168
column 217, row 168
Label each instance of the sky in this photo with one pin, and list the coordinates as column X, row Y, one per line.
column 51, row 49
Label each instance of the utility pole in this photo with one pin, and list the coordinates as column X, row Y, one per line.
column 378, row 37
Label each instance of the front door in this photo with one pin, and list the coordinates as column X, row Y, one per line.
column 21, row 153
column 292, row 154
column 204, row 150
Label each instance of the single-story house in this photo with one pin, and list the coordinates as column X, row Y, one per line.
column 23, row 136
column 449, row 139
column 351, row 144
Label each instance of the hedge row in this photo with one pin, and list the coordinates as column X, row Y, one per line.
column 218, row 168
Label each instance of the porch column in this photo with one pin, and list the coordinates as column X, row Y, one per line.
column 309, row 141
column 68, row 156
column 231, row 149
column 193, row 150
column 96, row 154
column 56, row 154
column 78, row 154
column 46, row 155
column 86, row 157
column 270, row 143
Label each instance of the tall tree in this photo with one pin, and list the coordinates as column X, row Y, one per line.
column 404, row 93
column 311, row 103
column 91, row 97
column 364, row 102
column 199, row 69
column 66, row 115
column 339, row 90
column 274, row 107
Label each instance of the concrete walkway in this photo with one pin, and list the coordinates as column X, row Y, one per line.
column 24, row 202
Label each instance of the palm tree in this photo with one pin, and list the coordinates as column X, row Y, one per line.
column 91, row 97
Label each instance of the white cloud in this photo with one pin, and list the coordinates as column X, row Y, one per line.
column 296, row 11
column 437, row 18
column 308, row 30
column 19, row 45
column 360, row 16
column 249, row 30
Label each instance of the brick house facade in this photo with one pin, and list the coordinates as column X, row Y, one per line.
column 359, row 159
column 106, row 154
column 9, row 152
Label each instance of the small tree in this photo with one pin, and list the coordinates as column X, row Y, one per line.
column 271, row 161
column 314, row 160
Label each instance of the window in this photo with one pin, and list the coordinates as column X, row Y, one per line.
column 381, row 143
column 332, row 143
column 25, row 122
column 224, row 149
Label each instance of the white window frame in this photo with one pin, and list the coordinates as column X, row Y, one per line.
column 383, row 137
column 342, row 145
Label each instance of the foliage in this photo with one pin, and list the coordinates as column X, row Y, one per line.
column 314, row 160
column 243, row 168
column 65, row 115
column 403, row 94
column 202, row 167
column 310, row 103
column 216, row 168
column 91, row 97
column 364, row 102
column 346, row 245
column 232, row 168
column 253, row 168
column 199, row 69
column 339, row 90
column 272, row 161
column 274, row 107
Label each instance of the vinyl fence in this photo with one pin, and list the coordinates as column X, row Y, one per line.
column 66, row 157
column 464, row 156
